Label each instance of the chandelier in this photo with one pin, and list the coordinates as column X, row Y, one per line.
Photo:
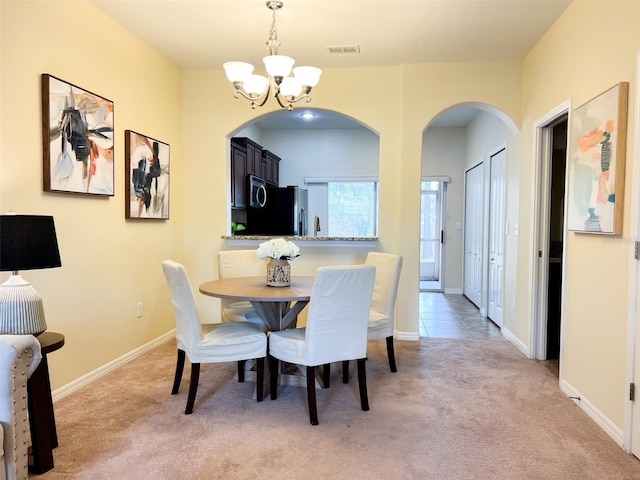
column 286, row 90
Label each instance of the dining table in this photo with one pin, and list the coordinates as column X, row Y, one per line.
column 279, row 307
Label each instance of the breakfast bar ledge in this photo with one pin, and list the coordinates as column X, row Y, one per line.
column 255, row 240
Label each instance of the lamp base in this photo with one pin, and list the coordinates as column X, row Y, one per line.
column 21, row 309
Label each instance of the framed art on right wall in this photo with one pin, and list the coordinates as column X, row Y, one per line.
column 597, row 148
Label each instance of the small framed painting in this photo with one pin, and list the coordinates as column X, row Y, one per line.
column 597, row 148
column 146, row 177
column 77, row 132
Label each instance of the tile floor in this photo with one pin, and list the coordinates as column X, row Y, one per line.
column 454, row 316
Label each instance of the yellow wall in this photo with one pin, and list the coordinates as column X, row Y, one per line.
column 399, row 116
column 110, row 264
column 590, row 49
column 212, row 115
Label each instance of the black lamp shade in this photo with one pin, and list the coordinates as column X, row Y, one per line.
column 28, row 242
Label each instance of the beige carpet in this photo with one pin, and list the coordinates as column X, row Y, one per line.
column 455, row 410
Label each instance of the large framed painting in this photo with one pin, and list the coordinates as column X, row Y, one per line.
column 77, row 132
column 146, row 177
column 597, row 144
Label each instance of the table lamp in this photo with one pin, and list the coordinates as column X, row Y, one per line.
column 27, row 242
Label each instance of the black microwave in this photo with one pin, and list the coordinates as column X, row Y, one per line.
column 257, row 192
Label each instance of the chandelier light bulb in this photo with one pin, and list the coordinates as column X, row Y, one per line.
column 256, row 85
column 290, row 87
column 237, row 71
column 307, row 76
column 278, row 65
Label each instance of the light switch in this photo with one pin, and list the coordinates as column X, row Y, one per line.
column 515, row 229
column 458, row 226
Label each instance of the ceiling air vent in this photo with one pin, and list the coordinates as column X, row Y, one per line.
column 343, row 49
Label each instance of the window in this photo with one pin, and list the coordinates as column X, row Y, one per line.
column 346, row 207
column 353, row 209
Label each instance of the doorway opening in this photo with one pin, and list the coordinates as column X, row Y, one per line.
column 552, row 153
column 431, row 235
column 555, row 240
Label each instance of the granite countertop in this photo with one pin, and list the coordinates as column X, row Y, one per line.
column 300, row 239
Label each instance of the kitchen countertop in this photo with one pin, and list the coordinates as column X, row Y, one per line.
column 308, row 241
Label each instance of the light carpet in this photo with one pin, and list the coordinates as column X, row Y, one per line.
column 456, row 409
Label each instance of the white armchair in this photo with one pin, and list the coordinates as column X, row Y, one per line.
column 19, row 357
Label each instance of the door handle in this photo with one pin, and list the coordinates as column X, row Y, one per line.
column 264, row 196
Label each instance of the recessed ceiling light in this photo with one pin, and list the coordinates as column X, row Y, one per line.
column 308, row 115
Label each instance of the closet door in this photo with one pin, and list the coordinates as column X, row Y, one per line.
column 496, row 237
column 473, row 217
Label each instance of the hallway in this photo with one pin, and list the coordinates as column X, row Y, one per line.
column 454, row 316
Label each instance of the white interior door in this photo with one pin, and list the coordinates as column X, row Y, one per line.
column 496, row 237
column 473, row 223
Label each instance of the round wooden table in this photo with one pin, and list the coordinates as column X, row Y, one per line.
column 278, row 306
column 273, row 304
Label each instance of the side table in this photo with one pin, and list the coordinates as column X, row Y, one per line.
column 44, row 437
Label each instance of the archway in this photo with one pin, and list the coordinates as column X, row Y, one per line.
column 316, row 149
column 465, row 138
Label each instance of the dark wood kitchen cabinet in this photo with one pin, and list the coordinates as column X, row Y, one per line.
column 271, row 168
column 238, row 176
column 253, row 164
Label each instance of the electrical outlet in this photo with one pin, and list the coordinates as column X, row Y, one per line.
column 139, row 309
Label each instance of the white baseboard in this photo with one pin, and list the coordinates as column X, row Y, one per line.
column 506, row 333
column 413, row 336
column 453, row 291
column 71, row 387
column 596, row 415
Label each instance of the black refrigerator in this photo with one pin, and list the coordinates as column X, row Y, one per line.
column 284, row 213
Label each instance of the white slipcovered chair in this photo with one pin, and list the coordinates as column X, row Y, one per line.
column 240, row 263
column 336, row 329
column 383, row 302
column 383, row 306
column 19, row 357
column 209, row 343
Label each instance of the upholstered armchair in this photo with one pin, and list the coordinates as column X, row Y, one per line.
column 19, row 357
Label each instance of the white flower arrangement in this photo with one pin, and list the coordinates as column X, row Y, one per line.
column 278, row 248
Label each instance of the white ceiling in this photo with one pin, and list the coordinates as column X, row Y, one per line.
column 203, row 34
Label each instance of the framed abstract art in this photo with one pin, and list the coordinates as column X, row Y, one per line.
column 146, row 177
column 597, row 144
column 77, row 132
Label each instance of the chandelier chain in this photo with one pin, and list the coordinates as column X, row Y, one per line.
column 273, row 43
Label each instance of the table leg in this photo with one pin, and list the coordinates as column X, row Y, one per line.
column 279, row 316
column 44, row 437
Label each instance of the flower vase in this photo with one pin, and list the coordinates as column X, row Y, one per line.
column 278, row 273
